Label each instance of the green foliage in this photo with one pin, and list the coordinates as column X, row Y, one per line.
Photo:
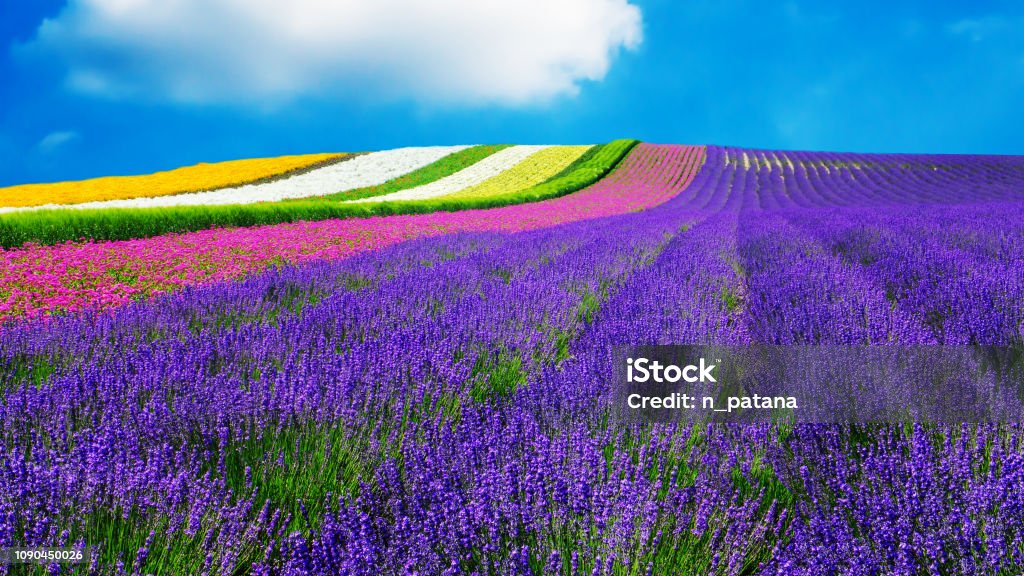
column 23, row 367
column 730, row 300
column 55, row 226
column 588, row 306
column 584, row 159
column 498, row 377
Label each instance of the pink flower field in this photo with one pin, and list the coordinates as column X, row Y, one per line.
column 42, row 280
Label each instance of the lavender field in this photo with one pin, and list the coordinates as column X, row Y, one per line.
column 441, row 404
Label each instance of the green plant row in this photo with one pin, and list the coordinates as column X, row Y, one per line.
column 584, row 159
column 48, row 227
column 434, row 171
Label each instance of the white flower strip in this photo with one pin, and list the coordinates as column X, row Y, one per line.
column 366, row 170
column 487, row 168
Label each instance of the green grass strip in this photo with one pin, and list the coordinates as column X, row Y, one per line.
column 47, row 227
column 444, row 167
column 584, row 159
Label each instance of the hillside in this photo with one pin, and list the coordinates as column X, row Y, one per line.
column 409, row 369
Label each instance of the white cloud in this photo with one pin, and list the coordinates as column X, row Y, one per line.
column 54, row 140
column 507, row 52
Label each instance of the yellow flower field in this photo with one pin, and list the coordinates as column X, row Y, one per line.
column 178, row 181
column 535, row 169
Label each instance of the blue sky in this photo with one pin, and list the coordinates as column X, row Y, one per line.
column 102, row 87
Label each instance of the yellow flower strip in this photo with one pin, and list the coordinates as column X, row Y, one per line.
column 535, row 169
column 196, row 178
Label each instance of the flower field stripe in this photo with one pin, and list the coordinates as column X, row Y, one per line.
column 49, row 227
column 45, row 279
column 584, row 159
column 361, row 171
column 200, row 177
column 535, row 169
column 471, row 176
column 442, row 168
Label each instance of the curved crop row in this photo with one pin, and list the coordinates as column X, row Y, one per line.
column 48, row 227
column 781, row 180
column 474, row 175
column 431, row 172
column 532, row 171
column 44, row 279
column 201, row 177
column 363, row 170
